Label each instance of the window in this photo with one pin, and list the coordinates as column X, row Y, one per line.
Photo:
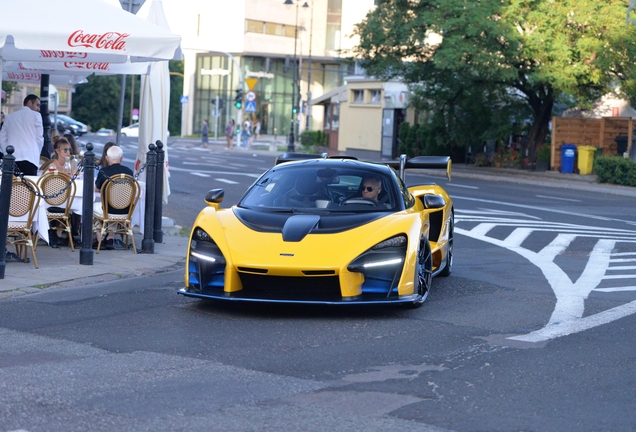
column 254, row 26
column 335, row 117
column 375, row 96
column 274, row 29
column 358, row 96
column 289, row 31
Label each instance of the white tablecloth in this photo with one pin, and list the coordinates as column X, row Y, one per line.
column 41, row 223
column 137, row 216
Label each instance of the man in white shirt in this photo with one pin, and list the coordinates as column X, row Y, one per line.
column 23, row 130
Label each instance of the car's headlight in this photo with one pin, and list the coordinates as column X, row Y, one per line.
column 397, row 241
column 200, row 234
column 387, row 253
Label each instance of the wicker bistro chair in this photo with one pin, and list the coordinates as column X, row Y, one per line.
column 45, row 165
column 43, row 160
column 120, row 192
column 22, row 208
column 59, row 207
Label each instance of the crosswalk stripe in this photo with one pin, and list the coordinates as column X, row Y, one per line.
column 222, row 180
column 200, row 174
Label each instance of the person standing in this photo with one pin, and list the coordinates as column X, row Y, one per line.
column 204, row 133
column 245, row 135
column 23, row 130
column 229, row 133
column 257, row 129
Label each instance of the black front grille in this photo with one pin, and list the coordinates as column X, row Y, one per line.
column 326, row 288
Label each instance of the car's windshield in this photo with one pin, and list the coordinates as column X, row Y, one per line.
column 324, row 189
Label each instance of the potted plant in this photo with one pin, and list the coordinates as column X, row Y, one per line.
column 543, row 157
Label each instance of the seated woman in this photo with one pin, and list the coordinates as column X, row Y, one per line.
column 62, row 150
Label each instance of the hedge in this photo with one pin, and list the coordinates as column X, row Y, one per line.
column 616, row 170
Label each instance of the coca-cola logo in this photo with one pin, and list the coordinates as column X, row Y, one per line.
column 19, row 76
column 61, row 54
column 87, row 65
column 108, row 41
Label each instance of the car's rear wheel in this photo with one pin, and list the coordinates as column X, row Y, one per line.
column 424, row 273
column 449, row 250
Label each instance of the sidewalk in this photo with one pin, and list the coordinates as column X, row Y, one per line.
column 60, row 267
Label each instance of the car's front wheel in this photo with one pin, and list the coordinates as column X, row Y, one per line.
column 424, row 273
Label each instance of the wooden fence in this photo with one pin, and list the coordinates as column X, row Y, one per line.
column 596, row 132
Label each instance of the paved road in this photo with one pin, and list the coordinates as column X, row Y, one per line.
column 531, row 332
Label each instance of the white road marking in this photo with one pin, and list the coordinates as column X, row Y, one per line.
column 173, row 168
column 544, row 209
column 222, row 180
column 567, row 317
column 461, row 186
column 557, row 198
column 616, row 289
column 194, row 173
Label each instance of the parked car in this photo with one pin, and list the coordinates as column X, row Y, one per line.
column 133, row 131
column 105, row 132
column 325, row 230
column 65, row 122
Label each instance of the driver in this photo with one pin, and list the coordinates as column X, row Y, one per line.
column 371, row 187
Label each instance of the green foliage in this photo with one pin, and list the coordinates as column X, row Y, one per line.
column 544, row 153
column 9, row 87
column 615, row 169
column 311, row 140
column 176, row 90
column 97, row 102
column 498, row 58
column 403, row 132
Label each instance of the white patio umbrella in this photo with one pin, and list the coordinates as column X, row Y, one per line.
column 154, row 103
column 103, row 30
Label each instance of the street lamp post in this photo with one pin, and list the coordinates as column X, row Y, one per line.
column 295, row 83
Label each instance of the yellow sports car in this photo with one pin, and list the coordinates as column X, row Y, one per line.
column 324, row 230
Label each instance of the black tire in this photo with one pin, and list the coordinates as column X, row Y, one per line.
column 449, row 250
column 423, row 273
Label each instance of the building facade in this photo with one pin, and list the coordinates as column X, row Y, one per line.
column 260, row 37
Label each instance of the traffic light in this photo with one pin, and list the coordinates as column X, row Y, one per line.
column 238, row 100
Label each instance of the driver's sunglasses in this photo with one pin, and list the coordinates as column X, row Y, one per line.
column 368, row 188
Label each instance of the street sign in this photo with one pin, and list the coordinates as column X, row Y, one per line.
column 250, row 96
column 131, row 6
column 250, row 107
column 251, row 82
column 184, row 99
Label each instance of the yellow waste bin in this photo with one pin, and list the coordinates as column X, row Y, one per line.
column 586, row 159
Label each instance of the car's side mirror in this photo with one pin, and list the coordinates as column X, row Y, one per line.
column 434, row 201
column 215, row 196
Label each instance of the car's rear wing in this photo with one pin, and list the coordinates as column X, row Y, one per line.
column 418, row 162
column 421, row 162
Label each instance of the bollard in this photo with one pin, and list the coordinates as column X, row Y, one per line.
column 148, row 243
column 158, row 232
column 86, row 253
column 5, row 202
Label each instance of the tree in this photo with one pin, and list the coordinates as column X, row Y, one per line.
column 531, row 51
column 176, row 89
column 97, row 102
column 9, row 87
